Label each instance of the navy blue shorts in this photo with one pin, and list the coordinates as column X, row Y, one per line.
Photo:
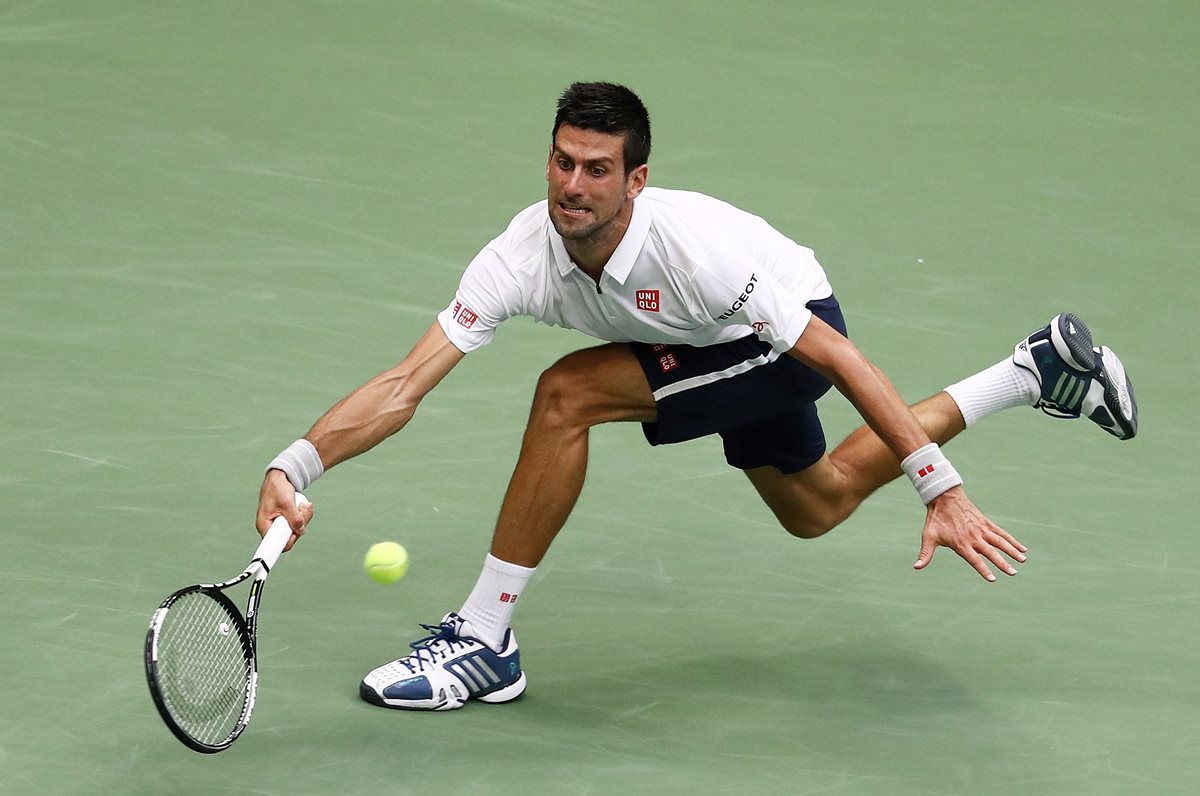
column 765, row 411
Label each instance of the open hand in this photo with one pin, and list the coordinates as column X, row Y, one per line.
column 954, row 521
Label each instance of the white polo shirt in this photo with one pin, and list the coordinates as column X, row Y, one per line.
column 691, row 269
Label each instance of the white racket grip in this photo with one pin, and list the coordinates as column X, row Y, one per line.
column 276, row 538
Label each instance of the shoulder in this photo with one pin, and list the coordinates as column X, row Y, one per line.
column 528, row 231
column 522, row 250
column 704, row 224
column 519, row 256
column 701, row 216
column 691, row 226
column 686, row 207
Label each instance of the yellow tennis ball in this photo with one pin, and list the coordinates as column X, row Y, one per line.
column 386, row 562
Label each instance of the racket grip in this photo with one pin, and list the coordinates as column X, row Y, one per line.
column 276, row 538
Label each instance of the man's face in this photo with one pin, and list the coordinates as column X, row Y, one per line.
column 588, row 188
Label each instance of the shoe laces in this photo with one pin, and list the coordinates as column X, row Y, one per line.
column 442, row 640
column 1055, row 411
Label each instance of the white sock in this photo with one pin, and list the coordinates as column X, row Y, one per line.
column 1002, row 386
column 490, row 607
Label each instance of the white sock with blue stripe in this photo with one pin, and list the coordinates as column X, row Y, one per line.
column 1002, row 386
column 490, row 607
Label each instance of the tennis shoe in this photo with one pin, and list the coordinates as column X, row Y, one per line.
column 1077, row 378
column 445, row 669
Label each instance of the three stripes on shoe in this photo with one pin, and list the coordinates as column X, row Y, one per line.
column 1068, row 391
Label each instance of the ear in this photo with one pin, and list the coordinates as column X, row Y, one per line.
column 636, row 181
column 549, row 160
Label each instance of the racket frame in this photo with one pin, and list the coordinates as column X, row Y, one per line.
column 265, row 556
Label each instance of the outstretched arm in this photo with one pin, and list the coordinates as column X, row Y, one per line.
column 952, row 519
column 362, row 420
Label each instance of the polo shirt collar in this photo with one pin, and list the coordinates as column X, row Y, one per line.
column 622, row 260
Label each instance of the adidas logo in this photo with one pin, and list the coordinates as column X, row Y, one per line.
column 474, row 672
column 1068, row 392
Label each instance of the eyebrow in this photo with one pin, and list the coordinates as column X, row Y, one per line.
column 600, row 161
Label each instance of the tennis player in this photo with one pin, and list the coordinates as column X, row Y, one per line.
column 716, row 324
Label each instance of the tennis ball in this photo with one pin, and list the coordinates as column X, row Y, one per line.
column 386, row 562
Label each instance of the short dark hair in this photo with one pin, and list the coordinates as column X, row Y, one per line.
column 607, row 108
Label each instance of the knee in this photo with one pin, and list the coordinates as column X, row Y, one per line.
column 807, row 504
column 590, row 387
column 806, row 527
column 809, row 519
column 561, row 398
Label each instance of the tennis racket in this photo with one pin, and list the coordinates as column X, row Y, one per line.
column 201, row 652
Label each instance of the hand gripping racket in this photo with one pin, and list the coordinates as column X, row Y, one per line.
column 201, row 654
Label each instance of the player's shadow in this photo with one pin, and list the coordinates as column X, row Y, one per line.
column 872, row 677
column 863, row 706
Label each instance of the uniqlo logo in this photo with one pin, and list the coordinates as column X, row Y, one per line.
column 464, row 316
column 926, row 470
column 668, row 362
column 505, row 597
column 647, row 300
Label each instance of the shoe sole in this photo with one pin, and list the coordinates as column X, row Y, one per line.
column 506, row 694
column 1073, row 341
column 1118, row 394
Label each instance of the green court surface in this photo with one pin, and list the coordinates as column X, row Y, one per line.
column 216, row 218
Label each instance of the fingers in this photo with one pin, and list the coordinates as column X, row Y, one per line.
column 977, row 561
column 926, row 555
column 982, row 548
column 985, row 550
column 992, row 554
column 1011, row 541
column 305, row 515
column 1007, row 545
column 298, row 519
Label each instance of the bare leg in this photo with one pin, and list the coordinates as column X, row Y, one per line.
column 584, row 389
column 606, row 384
column 813, row 501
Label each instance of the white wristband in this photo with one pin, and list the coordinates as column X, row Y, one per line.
column 930, row 472
column 300, row 462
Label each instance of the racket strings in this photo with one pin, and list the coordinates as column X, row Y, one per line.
column 205, row 667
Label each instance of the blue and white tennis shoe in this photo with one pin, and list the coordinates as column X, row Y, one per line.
column 1078, row 378
column 445, row 669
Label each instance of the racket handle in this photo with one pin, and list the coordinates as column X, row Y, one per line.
column 276, row 538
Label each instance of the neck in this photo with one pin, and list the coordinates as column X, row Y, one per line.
column 592, row 253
